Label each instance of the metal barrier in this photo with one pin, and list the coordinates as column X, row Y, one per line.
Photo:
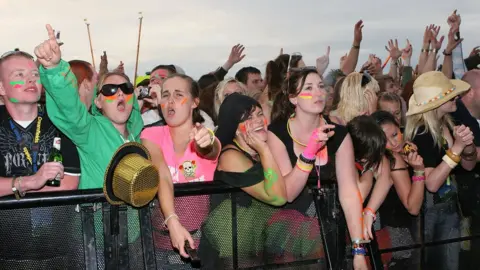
column 79, row 230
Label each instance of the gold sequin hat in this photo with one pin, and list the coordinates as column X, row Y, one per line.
column 431, row 90
column 130, row 176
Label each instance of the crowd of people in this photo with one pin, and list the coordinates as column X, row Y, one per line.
column 382, row 146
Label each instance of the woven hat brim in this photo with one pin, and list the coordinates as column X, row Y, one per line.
column 125, row 149
column 460, row 87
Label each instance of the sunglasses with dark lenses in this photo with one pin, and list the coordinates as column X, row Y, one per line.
column 366, row 78
column 111, row 89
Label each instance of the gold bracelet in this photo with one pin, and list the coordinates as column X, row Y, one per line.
column 212, row 136
column 455, row 157
column 452, row 164
column 14, row 188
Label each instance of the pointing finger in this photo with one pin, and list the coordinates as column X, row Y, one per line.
column 328, row 51
column 51, row 33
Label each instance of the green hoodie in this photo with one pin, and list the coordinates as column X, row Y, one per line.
column 94, row 135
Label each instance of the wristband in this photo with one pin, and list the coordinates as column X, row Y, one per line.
column 424, row 50
column 359, row 251
column 304, row 167
column 307, row 160
column 452, row 164
column 417, row 178
column 418, row 173
column 434, row 50
column 356, row 47
column 446, row 54
column 212, row 136
column 169, row 217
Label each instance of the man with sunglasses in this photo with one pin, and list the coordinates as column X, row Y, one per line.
column 27, row 134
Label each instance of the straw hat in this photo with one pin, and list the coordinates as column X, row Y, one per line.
column 130, row 176
column 431, row 90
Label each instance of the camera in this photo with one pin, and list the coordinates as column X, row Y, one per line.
column 144, row 92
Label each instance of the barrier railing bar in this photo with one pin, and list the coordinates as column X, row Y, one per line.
column 283, row 265
column 429, row 244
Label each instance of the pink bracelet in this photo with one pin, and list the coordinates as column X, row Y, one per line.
column 417, row 178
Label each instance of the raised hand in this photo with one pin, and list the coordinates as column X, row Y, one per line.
column 452, row 43
column 393, row 49
column 120, row 68
column 236, row 55
column 454, row 20
column 407, row 51
column 202, row 136
column 48, row 52
column 357, row 33
column 323, row 61
column 436, row 43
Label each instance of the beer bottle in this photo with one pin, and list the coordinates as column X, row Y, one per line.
column 55, row 156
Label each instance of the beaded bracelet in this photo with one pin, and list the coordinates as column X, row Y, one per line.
column 369, row 211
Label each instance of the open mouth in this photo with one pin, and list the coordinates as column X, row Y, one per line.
column 121, row 105
column 170, row 112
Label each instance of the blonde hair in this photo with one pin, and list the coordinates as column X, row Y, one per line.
column 218, row 96
column 432, row 124
column 352, row 96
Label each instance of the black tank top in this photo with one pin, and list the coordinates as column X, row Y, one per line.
column 327, row 171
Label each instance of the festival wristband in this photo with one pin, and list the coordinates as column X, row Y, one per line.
column 307, row 160
column 359, row 251
column 418, row 173
column 304, row 167
column 418, row 178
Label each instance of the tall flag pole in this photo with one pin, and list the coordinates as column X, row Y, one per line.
column 138, row 44
column 90, row 40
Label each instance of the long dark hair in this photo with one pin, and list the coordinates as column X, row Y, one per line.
column 282, row 107
column 369, row 140
column 194, row 91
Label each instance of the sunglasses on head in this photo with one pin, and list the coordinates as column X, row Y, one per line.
column 366, row 78
column 16, row 52
column 111, row 89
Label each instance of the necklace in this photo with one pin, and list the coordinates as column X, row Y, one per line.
column 243, row 149
column 290, row 133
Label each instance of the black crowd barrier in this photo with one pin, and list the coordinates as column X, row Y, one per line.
column 79, row 230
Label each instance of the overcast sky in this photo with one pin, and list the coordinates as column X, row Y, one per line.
column 198, row 34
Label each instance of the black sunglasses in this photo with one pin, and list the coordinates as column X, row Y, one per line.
column 111, row 89
column 366, row 78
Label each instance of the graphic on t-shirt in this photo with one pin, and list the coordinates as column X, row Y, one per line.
column 188, row 168
column 15, row 161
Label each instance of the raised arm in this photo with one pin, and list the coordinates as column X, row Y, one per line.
column 63, row 102
column 352, row 59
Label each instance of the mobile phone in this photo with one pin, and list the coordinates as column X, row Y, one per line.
column 191, row 252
